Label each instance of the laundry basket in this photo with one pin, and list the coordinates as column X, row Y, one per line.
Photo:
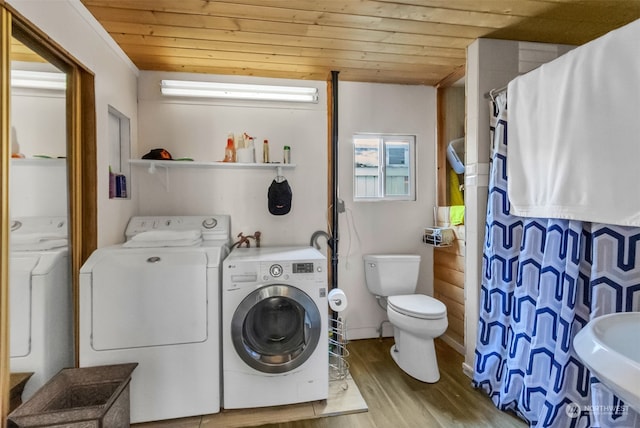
column 79, row 398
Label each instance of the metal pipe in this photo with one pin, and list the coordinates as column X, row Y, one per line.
column 333, row 243
column 495, row 92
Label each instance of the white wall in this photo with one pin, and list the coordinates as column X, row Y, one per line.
column 383, row 227
column 491, row 64
column 68, row 23
column 198, row 129
column 38, row 128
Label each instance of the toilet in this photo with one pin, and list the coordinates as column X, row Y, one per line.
column 417, row 319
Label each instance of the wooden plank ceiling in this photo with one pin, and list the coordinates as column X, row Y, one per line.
column 407, row 42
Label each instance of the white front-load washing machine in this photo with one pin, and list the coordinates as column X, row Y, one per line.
column 41, row 339
column 274, row 327
column 155, row 300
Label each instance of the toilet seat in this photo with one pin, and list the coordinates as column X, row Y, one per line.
column 418, row 306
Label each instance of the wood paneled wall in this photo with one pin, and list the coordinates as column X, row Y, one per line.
column 448, row 286
column 448, row 262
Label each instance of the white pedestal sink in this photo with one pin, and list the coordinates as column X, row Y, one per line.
column 610, row 347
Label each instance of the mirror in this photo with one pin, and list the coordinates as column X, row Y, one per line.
column 76, row 178
column 40, row 298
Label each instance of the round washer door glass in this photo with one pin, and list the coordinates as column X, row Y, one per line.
column 276, row 328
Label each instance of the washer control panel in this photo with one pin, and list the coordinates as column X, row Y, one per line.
column 56, row 226
column 211, row 227
column 289, row 270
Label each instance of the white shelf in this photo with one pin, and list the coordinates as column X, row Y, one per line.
column 193, row 164
column 39, row 161
column 166, row 165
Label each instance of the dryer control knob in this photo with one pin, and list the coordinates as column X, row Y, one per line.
column 209, row 223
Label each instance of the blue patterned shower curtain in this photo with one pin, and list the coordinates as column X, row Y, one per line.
column 542, row 281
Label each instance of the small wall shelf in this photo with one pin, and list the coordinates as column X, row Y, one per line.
column 192, row 164
column 39, row 161
column 153, row 165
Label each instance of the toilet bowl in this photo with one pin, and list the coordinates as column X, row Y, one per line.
column 417, row 319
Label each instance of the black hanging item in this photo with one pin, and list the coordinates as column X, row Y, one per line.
column 158, row 154
column 279, row 197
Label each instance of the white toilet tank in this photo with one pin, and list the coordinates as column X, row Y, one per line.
column 391, row 274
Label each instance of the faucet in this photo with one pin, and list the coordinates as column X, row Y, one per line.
column 313, row 242
column 245, row 240
column 256, row 236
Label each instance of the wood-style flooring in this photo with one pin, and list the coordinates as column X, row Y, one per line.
column 394, row 399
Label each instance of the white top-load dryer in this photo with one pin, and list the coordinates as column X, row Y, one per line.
column 40, row 303
column 155, row 300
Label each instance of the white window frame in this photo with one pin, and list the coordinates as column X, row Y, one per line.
column 384, row 143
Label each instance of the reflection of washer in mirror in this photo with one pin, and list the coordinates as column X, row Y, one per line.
column 276, row 328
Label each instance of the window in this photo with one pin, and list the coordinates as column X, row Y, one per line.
column 384, row 167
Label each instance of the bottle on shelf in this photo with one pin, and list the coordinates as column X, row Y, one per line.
column 265, row 151
column 230, row 150
column 287, row 154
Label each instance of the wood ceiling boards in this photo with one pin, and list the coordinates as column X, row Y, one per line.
column 406, row 42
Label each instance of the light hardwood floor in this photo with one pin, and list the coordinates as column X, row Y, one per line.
column 394, row 399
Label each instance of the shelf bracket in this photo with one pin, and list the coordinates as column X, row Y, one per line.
column 152, row 170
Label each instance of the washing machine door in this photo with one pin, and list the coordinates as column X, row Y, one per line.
column 276, row 328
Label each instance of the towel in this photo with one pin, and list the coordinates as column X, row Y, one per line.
column 167, row 235
column 35, row 238
column 48, row 244
column 456, row 214
column 454, row 189
column 573, row 134
column 165, row 243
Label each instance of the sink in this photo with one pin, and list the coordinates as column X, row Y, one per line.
column 610, row 347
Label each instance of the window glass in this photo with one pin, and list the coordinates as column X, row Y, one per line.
column 384, row 167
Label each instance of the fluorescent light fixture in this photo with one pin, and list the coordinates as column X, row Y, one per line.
column 38, row 80
column 186, row 88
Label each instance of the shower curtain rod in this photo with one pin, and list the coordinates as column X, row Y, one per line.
column 492, row 93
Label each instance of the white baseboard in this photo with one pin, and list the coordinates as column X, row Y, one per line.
column 457, row 346
column 467, row 370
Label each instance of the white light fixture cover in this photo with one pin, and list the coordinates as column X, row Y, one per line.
column 187, row 88
column 38, row 80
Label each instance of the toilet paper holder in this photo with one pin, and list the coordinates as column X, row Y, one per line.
column 337, row 300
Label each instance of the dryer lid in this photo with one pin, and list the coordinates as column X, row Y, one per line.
column 418, row 306
column 149, row 298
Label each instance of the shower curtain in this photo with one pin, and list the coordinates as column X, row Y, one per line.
column 542, row 281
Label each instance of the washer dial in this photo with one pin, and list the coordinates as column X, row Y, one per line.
column 275, row 270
